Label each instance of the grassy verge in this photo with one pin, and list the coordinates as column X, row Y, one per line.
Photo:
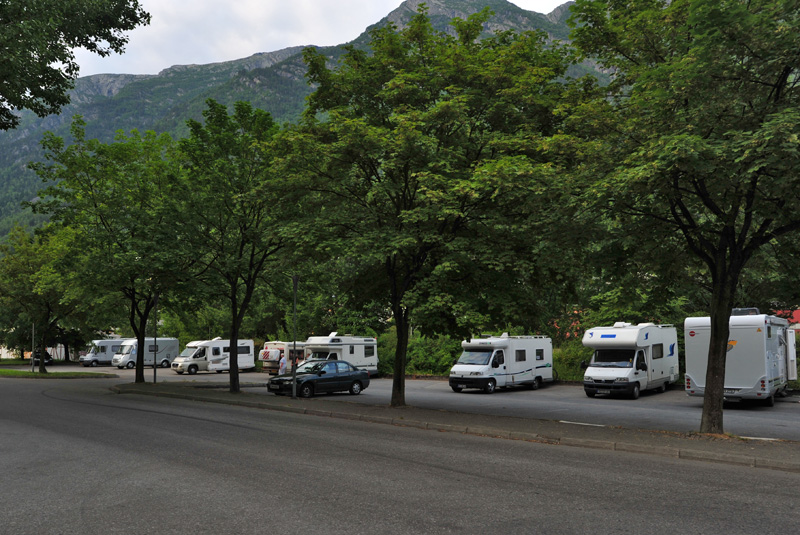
column 60, row 375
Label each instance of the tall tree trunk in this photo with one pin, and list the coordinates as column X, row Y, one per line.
column 722, row 301
column 399, row 378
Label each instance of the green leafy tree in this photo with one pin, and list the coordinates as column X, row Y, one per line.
column 119, row 199
column 418, row 155
column 38, row 38
column 701, row 126
column 235, row 207
column 34, row 294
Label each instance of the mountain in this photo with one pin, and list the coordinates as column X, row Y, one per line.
column 273, row 81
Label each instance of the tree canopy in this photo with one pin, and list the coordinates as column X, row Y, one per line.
column 38, row 39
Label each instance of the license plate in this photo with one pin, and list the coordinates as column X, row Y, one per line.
column 604, row 391
column 730, row 391
column 461, row 386
column 273, row 387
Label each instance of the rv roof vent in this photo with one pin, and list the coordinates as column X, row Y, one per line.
column 504, row 335
column 752, row 311
column 646, row 324
column 216, row 338
column 621, row 325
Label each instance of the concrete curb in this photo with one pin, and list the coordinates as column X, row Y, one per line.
column 484, row 431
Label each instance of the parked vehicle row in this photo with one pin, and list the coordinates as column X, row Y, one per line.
column 213, row 356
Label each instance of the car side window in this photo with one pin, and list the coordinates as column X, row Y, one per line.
column 343, row 367
column 330, row 367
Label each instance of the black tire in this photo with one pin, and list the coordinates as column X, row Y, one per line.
column 591, row 393
column 490, row 387
column 130, row 365
column 355, row 388
column 165, row 363
column 120, row 367
column 456, row 389
column 179, row 372
column 662, row 388
column 94, row 364
column 635, row 391
column 306, row 390
column 192, row 369
column 770, row 401
column 218, row 371
column 537, row 383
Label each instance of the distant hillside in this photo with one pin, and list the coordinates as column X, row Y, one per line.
column 274, row 81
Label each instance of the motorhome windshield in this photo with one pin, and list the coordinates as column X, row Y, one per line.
column 320, row 355
column 613, row 358
column 91, row 349
column 188, row 352
column 480, row 358
column 126, row 349
column 310, row 367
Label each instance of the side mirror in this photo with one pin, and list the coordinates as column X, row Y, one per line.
column 584, row 365
column 641, row 366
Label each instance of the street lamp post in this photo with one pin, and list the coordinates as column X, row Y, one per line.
column 155, row 336
column 295, row 280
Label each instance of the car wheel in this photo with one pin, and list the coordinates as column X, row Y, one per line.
column 130, row 365
column 490, row 386
column 635, row 391
column 192, row 370
column 306, row 390
column 591, row 393
column 456, row 389
column 355, row 388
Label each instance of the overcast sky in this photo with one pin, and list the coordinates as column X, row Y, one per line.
column 207, row 31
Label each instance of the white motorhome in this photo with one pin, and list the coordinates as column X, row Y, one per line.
column 761, row 356
column 212, row 355
column 630, row 358
column 502, row 361
column 161, row 352
column 270, row 356
column 101, row 351
column 361, row 352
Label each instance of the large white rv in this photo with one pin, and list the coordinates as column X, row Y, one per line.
column 502, row 361
column 102, row 351
column 361, row 352
column 161, row 352
column 213, row 355
column 270, row 356
column 630, row 358
column 761, row 356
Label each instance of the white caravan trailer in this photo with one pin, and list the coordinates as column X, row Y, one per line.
column 102, row 351
column 630, row 358
column 761, row 357
column 361, row 352
column 163, row 353
column 273, row 351
column 502, row 361
column 212, row 355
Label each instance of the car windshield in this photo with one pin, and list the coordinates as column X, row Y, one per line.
column 311, row 367
column 475, row 357
column 613, row 358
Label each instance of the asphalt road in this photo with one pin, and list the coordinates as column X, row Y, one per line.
column 104, row 463
column 671, row 411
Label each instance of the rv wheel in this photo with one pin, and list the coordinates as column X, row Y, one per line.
column 537, row 382
column 130, row 365
column 770, row 401
column 635, row 391
column 192, row 370
column 591, row 393
column 94, row 364
column 165, row 363
column 456, row 389
column 489, row 388
column 662, row 388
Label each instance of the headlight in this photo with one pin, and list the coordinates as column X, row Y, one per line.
column 452, row 372
column 588, row 379
column 475, row 373
column 621, row 380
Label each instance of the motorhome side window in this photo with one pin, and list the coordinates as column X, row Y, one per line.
column 243, row 350
column 658, row 351
column 520, row 354
column 215, row 351
column 352, row 350
column 369, row 351
column 769, row 331
column 499, row 358
column 540, row 354
column 153, row 349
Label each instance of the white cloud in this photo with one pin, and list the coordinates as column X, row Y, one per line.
column 209, row 31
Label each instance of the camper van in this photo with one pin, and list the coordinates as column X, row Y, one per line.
column 361, row 352
column 101, row 351
column 761, row 356
column 630, row 358
column 162, row 354
column 503, row 361
column 212, row 356
column 270, row 356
